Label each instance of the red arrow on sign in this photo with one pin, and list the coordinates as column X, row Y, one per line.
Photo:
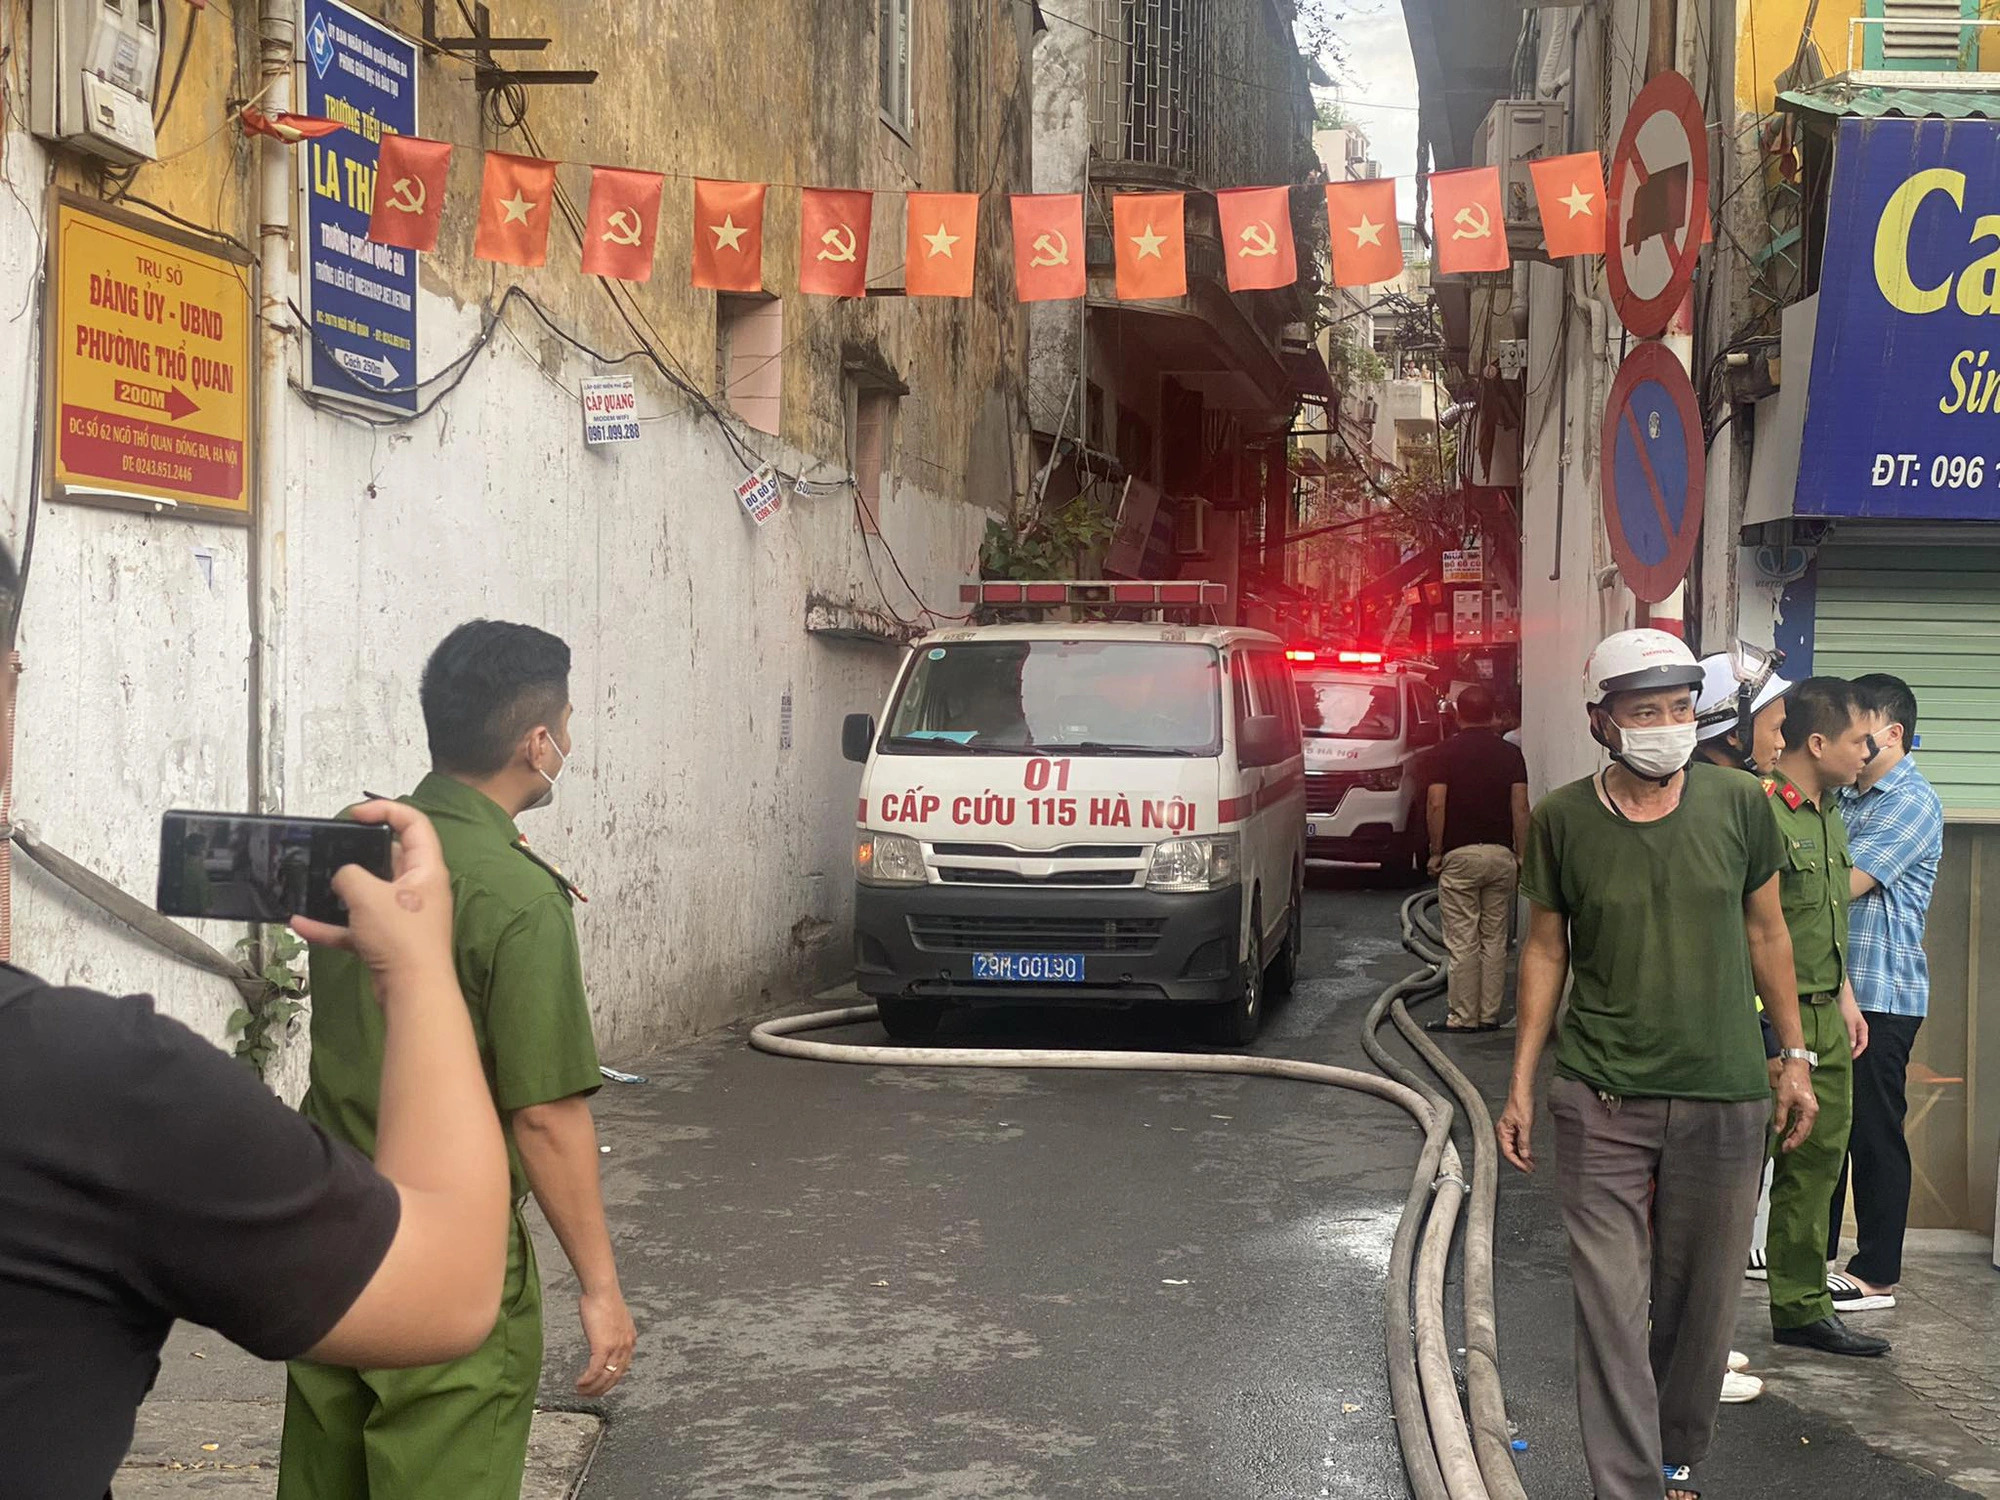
column 175, row 402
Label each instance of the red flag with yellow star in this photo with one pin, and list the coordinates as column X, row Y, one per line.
column 1361, row 217
column 623, row 223
column 515, row 200
column 943, row 232
column 833, row 241
column 1048, row 246
column 1569, row 190
column 729, row 236
column 1149, row 233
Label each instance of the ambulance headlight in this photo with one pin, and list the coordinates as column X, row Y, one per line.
column 1203, row 864
column 888, row 859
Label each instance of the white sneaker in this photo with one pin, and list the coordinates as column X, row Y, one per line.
column 1738, row 1361
column 1738, row 1388
column 1759, row 1267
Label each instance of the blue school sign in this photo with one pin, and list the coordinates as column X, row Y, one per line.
column 1903, row 409
column 360, row 297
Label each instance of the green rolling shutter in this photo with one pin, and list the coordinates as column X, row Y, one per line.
column 1931, row 616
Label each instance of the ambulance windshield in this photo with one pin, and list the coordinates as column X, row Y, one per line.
column 1018, row 697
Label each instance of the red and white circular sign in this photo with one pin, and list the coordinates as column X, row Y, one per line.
column 1658, row 192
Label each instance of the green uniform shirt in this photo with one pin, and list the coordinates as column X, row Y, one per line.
column 1814, row 884
column 1661, row 1002
column 513, row 939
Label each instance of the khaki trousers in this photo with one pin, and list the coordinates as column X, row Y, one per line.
column 1475, row 895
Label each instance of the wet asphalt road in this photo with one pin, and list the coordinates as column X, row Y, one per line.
column 877, row 1282
column 884, row 1282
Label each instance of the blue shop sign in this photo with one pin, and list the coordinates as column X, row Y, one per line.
column 1903, row 409
column 360, row 297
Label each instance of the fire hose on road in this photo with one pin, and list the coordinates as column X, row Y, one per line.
column 1443, row 1456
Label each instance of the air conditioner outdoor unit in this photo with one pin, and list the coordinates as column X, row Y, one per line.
column 1191, row 527
column 1514, row 133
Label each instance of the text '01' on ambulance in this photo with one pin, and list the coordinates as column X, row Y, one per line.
column 1106, row 808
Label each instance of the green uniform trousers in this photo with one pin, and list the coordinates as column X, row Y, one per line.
column 1802, row 1181
column 455, row 1431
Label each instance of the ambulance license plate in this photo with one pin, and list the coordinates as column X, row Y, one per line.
column 1029, row 968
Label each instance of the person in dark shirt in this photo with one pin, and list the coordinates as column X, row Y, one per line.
column 146, row 1176
column 1477, row 811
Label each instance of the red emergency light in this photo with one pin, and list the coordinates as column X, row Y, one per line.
column 1360, row 658
column 1096, row 591
column 1296, row 655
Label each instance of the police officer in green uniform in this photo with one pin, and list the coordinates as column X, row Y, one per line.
column 1826, row 747
column 496, row 708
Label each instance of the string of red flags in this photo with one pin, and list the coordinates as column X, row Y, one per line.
column 1149, row 230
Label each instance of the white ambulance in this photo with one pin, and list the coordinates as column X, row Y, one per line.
column 1082, row 812
column 1368, row 721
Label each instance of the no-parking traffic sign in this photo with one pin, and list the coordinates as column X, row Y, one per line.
column 1653, row 471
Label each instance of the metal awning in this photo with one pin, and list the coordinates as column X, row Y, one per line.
column 1841, row 99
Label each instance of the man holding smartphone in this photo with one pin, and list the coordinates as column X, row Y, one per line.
column 496, row 709
column 147, row 1176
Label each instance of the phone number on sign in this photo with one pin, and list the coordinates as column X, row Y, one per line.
column 1952, row 471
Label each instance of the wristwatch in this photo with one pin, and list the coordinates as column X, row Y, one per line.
column 1800, row 1054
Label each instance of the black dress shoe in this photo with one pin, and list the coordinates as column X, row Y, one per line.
column 1831, row 1336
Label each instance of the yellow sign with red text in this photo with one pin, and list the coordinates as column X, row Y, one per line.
column 150, row 346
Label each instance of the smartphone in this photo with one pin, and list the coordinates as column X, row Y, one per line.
column 244, row 867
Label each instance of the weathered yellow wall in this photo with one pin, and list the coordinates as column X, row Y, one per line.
column 780, row 91
column 1768, row 38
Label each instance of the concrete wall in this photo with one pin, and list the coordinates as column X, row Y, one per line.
column 715, row 857
column 1570, row 598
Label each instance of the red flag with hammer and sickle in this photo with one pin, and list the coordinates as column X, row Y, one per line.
column 729, row 236
column 623, row 223
column 1257, row 238
column 409, row 192
column 1048, row 246
column 833, row 241
column 1468, row 226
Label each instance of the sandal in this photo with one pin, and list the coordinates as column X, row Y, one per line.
column 1680, row 1480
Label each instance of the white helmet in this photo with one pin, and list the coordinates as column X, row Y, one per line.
column 1638, row 660
column 1719, row 704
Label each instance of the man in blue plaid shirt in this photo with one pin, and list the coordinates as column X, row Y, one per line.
column 1895, row 830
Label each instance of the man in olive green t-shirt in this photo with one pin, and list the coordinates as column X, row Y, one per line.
column 1653, row 890
column 496, row 706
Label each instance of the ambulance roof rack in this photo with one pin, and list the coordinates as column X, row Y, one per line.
column 1102, row 598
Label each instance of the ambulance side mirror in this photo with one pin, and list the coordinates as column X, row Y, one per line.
column 1262, row 741
column 857, row 737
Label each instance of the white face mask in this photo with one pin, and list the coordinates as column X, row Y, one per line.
column 1658, row 750
column 563, row 765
